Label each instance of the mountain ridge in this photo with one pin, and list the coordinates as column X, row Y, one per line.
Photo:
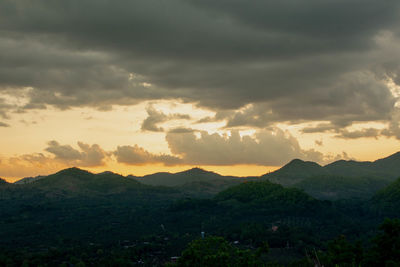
column 292, row 166
column 339, row 179
column 297, row 170
column 3, row 182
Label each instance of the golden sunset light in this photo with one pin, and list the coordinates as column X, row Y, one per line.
column 200, row 133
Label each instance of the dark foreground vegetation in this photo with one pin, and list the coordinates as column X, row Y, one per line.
column 76, row 218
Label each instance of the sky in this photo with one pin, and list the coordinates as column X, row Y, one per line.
column 237, row 87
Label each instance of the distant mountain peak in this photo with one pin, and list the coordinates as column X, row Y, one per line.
column 73, row 171
column 299, row 162
column 109, row 173
column 181, row 178
column 197, row 170
column 295, row 171
column 106, row 172
column 295, row 161
column 2, row 181
column 395, row 156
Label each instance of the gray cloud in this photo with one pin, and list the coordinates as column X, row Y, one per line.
column 3, row 124
column 156, row 117
column 214, row 149
column 394, row 126
column 293, row 60
column 360, row 97
column 186, row 149
column 87, row 155
column 319, row 128
column 319, row 142
column 181, row 130
column 364, row 133
column 135, row 155
column 28, row 165
column 4, row 108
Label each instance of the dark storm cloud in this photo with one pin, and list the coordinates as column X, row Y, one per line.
column 293, row 60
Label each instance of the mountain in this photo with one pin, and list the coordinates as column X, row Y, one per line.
column 339, row 187
column 262, row 191
column 269, row 199
column 194, row 175
column 202, row 189
column 340, row 179
column 2, row 182
column 387, row 200
column 389, row 165
column 75, row 204
column 28, row 180
column 195, row 182
column 386, row 168
column 77, row 181
column 294, row 172
column 159, row 178
column 74, row 207
column 350, row 168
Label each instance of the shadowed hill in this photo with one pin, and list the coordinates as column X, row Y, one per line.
column 389, row 165
column 193, row 175
column 159, row 178
column 350, row 168
column 28, row 180
column 2, row 182
column 340, row 179
column 195, row 182
column 77, row 181
column 74, row 204
column 272, row 202
column 264, row 191
column 388, row 168
column 387, row 200
column 295, row 171
column 339, row 187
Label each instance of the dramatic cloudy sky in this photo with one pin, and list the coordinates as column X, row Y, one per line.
column 238, row 87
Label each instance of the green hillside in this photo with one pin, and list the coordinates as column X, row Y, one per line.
column 271, row 199
column 386, row 168
column 186, row 177
column 251, row 191
column 340, row 187
column 342, row 179
column 204, row 189
column 387, row 200
column 79, row 181
column 389, row 165
column 76, row 208
column 294, row 172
